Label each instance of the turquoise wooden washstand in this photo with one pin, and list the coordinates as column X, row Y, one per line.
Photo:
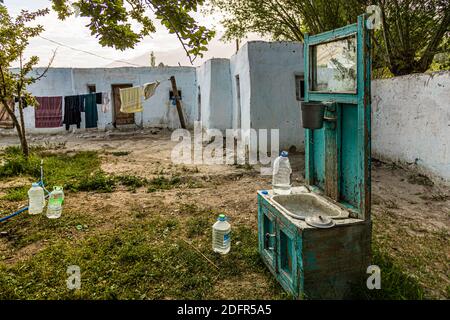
column 312, row 262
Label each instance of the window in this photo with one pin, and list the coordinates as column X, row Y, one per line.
column 91, row 88
column 300, row 88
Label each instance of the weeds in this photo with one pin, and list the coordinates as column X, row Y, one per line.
column 16, row 194
column 120, row 153
column 420, row 179
column 163, row 183
column 132, row 182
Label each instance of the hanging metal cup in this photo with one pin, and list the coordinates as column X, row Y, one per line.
column 312, row 115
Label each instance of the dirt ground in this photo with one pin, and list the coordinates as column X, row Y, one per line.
column 410, row 213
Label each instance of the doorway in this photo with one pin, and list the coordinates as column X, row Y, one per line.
column 120, row 118
column 239, row 107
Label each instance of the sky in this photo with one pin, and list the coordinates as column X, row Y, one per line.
column 74, row 33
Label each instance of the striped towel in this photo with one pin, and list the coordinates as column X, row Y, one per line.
column 48, row 114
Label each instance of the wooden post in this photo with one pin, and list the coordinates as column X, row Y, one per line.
column 177, row 100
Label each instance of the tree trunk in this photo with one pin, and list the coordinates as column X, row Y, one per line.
column 23, row 137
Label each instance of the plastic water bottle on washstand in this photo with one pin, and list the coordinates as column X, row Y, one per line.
column 55, row 203
column 36, row 199
column 221, row 235
column 281, row 178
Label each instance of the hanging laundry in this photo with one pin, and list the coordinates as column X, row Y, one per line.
column 148, row 89
column 90, row 109
column 130, row 100
column 98, row 97
column 73, row 106
column 105, row 102
column 48, row 114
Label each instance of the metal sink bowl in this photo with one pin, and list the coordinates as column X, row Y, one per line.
column 302, row 205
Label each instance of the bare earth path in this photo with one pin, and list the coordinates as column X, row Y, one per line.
column 410, row 214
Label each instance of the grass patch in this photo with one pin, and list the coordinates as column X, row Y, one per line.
column 163, row 183
column 197, row 226
column 396, row 284
column 150, row 260
column 79, row 171
column 16, row 194
column 132, row 182
column 96, row 182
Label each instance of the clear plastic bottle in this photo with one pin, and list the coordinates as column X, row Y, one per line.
column 281, row 179
column 55, row 202
column 221, row 235
column 36, row 199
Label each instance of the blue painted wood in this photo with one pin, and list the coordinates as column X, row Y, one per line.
column 351, row 152
column 322, row 263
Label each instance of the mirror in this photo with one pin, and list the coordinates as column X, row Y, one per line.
column 333, row 66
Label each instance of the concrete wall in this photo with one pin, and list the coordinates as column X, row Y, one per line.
column 214, row 81
column 411, row 121
column 158, row 111
column 240, row 67
column 273, row 67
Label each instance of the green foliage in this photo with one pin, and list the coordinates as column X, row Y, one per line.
column 412, row 33
column 113, row 22
column 15, row 34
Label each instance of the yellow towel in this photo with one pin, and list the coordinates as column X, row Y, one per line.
column 130, row 100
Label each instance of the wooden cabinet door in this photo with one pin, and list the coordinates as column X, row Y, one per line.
column 267, row 236
column 287, row 260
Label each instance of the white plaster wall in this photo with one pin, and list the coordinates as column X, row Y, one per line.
column 273, row 67
column 411, row 121
column 204, row 82
column 158, row 111
column 240, row 66
column 57, row 82
column 220, row 102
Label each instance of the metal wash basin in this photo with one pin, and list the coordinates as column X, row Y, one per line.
column 303, row 205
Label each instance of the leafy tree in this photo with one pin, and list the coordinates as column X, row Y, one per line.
column 413, row 31
column 15, row 34
column 110, row 21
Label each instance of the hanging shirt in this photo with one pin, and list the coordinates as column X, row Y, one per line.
column 90, row 109
column 105, row 102
column 48, row 114
column 130, row 100
column 148, row 89
column 73, row 105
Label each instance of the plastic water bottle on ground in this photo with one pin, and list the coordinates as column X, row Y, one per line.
column 55, row 202
column 36, row 199
column 281, row 179
column 221, row 235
